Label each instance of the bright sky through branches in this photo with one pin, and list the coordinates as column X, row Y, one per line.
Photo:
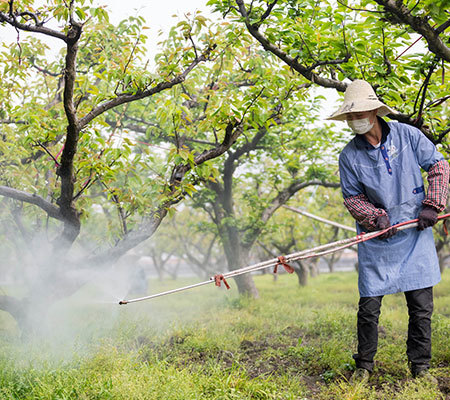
column 158, row 15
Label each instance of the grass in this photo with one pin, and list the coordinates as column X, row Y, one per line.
column 207, row 343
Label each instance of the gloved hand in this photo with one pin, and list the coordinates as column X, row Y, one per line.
column 383, row 222
column 427, row 217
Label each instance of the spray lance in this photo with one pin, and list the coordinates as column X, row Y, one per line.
column 284, row 260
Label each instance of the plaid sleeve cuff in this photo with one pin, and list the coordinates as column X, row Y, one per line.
column 438, row 178
column 363, row 211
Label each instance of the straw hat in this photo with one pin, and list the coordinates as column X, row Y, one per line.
column 359, row 97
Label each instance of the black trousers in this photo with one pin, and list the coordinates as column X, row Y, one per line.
column 418, row 345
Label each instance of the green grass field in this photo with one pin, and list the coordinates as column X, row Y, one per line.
column 206, row 343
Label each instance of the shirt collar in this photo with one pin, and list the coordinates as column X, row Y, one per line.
column 362, row 143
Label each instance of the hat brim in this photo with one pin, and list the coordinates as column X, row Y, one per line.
column 340, row 114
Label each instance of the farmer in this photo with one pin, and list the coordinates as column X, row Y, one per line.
column 382, row 185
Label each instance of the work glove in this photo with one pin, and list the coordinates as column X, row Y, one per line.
column 427, row 217
column 383, row 222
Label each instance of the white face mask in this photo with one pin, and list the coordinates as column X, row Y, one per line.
column 360, row 126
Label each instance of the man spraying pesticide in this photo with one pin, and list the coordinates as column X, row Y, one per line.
column 381, row 182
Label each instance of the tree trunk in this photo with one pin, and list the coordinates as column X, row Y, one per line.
column 302, row 273
column 237, row 257
column 246, row 286
column 314, row 268
column 331, row 261
column 158, row 268
column 442, row 261
column 440, row 243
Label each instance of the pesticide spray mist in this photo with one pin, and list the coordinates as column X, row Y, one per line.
column 53, row 311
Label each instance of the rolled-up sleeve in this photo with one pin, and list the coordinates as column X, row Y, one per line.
column 433, row 162
column 363, row 211
column 438, row 178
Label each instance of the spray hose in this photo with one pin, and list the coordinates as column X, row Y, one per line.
column 284, row 260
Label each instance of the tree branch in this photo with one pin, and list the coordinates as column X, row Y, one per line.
column 52, row 210
column 279, row 200
column 442, row 135
column 38, row 143
column 266, row 13
column 441, row 28
column 358, row 9
column 126, row 97
column 141, row 129
column 248, row 146
column 151, row 223
column 420, row 25
column 38, row 28
column 292, row 62
column 284, row 195
column 424, row 88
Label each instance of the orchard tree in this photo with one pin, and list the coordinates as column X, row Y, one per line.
column 246, row 187
column 255, row 89
column 329, row 42
column 64, row 102
column 59, row 155
column 268, row 165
